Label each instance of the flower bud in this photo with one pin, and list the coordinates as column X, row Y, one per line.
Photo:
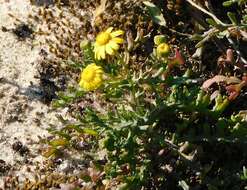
column 163, row 50
column 84, row 44
column 159, row 39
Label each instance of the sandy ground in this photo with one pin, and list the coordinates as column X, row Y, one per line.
column 23, row 117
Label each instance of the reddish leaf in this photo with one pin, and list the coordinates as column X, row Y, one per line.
column 218, row 79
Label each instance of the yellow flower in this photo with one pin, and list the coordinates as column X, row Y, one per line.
column 91, row 77
column 107, row 42
column 163, row 50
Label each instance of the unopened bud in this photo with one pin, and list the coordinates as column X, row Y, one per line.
column 84, row 44
column 159, row 39
column 163, row 50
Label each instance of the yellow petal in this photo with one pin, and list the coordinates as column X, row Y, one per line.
column 113, row 45
column 109, row 49
column 102, row 52
column 118, row 40
column 97, row 81
column 84, row 84
column 92, row 86
column 109, row 29
column 90, row 66
column 99, row 71
column 96, row 52
column 98, row 55
column 95, row 48
column 117, row 33
column 96, row 45
column 81, row 83
column 97, row 68
column 99, row 52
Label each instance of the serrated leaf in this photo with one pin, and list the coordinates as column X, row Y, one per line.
column 155, row 13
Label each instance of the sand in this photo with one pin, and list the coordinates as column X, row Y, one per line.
column 23, row 117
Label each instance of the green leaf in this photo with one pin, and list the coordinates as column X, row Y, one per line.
column 201, row 43
column 155, row 13
column 211, row 22
column 244, row 176
column 50, row 152
column 61, row 134
column 196, row 37
column 232, row 17
column 223, row 34
column 75, row 127
column 58, row 142
column 184, row 185
column 58, row 103
column 123, row 186
column 90, row 131
column 228, row 3
column 211, row 187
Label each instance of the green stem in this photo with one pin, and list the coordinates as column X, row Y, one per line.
column 208, row 13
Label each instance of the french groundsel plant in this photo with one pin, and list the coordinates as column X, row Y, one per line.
column 147, row 117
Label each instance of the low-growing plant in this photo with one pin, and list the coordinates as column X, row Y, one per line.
column 150, row 122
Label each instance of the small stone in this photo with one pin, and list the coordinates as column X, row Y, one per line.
column 19, row 147
column 42, row 2
column 4, row 167
column 65, row 166
column 23, row 31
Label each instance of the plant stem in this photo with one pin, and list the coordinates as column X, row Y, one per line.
column 208, row 13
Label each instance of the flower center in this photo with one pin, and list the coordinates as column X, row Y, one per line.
column 103, row 38
column 88, row 75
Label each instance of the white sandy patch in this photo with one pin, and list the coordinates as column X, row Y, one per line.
column 22, row 116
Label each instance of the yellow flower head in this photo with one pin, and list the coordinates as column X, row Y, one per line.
column 107, row 42
column 163, row 50
column 91, row 77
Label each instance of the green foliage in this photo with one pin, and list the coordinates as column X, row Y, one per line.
column 150, row 114
column 155, row 13
column 154, row 114
column 219, row 29
column 231, row 2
